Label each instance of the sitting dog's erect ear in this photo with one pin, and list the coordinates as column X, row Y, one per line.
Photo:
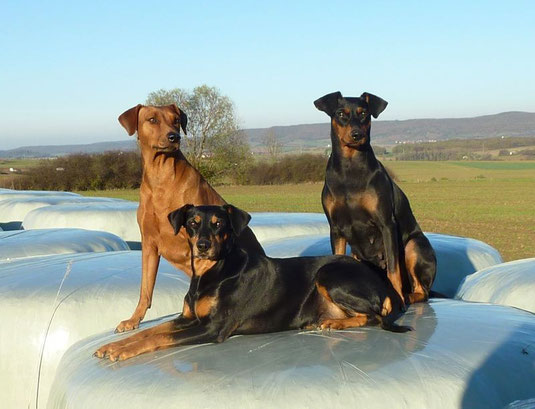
column 128, row 119
column 375, row 104
column 183, row 117
column 177, row 217
column 238, row 218
column 328, row 103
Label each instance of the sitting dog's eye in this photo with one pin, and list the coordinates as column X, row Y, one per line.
column 217, row 224
column 342, row 115
column 153, row 120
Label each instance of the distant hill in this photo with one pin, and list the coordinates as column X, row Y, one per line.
column 412, row 130
column 316, row 136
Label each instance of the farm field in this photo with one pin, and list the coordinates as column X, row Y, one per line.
column 490, row 201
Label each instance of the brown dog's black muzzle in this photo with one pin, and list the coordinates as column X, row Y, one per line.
column 173, row 137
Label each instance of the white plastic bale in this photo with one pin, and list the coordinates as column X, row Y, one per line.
column 31, row 243
column 116, row 217
column 49, row 303
column 457, row 257
column 460, row 355
column 15, row 209
column 14, row 194
column 510, row 283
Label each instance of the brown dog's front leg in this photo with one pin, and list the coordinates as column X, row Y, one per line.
column 150, row 260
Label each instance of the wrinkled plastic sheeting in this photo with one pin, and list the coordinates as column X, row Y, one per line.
column 510, row 283
column 117, row 217
column 460, row 355
column 14, row 210
column 20, row 194
column 269, row 227
column 121, row 219
column 30, row 243
column 48, row 303
column 457, row 257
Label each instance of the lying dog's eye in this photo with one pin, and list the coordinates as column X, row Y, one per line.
column 193, row 223
column 342, row 115
column 176, row 121
column 217, row 224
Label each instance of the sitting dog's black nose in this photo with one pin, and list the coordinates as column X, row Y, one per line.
column 173, row 137
column 356, row 134
column 203, row 244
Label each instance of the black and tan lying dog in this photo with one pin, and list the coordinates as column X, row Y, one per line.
column 237, row 291
column 365, row 207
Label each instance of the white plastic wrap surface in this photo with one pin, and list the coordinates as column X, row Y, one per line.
column 30, row 243
column 460, row 355
column 118, row 217
column 510, row 283
column 17, row 208
column 49, row 303
column 20, row 194
column 457, row 257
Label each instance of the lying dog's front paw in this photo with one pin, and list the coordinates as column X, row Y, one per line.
column 331, row 324
column 128, row 325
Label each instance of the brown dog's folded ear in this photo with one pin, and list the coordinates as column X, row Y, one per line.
column 177, row 217
column 375, row 104
column 183, row 121
column 183, row 117
column 128, row 119
column 328, row 103
column 238, row 218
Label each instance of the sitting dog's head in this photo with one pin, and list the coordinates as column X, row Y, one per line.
column 158, row 127
column 351, row 117
column 211, row 230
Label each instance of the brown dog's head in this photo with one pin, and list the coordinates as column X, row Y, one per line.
column 157, row 127
column 211, row 230
column 351, row 117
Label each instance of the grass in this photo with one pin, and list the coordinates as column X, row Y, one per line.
column 490, row 201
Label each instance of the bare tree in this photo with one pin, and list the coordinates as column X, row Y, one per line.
column 212, row 121
column 272, row 143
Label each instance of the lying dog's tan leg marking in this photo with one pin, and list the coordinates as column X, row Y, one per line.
column 204, row 305
column 358, row 320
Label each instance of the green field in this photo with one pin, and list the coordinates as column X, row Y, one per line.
column 490, row 201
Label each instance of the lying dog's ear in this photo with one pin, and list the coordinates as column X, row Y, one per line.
column 177, row 217
column 375, row 104
column 128, row 119
column 183, row 117
column 328, row 103
column 238, row 218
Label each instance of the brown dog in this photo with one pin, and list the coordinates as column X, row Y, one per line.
column 169, row 182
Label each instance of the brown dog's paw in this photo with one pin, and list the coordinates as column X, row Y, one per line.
column 128, row 325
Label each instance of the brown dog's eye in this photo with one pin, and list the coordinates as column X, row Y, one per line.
column 153, row 120
column 176, row 121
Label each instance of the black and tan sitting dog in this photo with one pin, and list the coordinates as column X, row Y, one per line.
column 364, row 206
column 238, row 291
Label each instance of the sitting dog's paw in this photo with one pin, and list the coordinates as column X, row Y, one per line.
column 128, row 325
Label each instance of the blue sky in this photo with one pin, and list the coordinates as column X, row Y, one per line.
column 68, row 69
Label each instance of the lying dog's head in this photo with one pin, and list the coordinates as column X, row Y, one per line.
column 158, row 127
column 351, row 117
column 211, row 230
